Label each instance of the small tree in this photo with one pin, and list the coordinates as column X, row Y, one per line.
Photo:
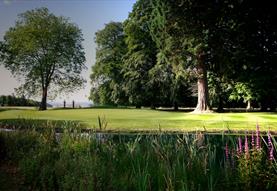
column 245, row 92
column 46, row 51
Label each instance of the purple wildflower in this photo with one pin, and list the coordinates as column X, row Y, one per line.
column 252, row 140
column 257, row 136
column 271, row 157
column 270, row 146
column 226, row 151
column 269, row 139
column 246, row 148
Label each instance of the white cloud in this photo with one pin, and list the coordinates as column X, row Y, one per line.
column 7, row 2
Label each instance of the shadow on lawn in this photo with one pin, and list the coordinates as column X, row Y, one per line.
column 214, row 110
column 7, row 109
column 2, row 109
column 41, row 124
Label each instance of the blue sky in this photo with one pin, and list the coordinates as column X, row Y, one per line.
column 89, row 15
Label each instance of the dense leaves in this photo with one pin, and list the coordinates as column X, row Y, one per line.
column 144, row 79
column 175, row 49
column 106, row 77
column 141, row 56
column 46, row 51
column 11, row 100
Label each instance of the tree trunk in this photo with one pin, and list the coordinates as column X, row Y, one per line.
column 220, row 105
column 202, row 83
column 43, row 104
column 248, row 108
column 138, row 106
column 264, row 105
column 176, row 108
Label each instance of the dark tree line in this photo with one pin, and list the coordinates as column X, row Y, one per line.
column 11, row 100
column 169, row 51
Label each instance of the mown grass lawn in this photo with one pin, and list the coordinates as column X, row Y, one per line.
column 146, row 119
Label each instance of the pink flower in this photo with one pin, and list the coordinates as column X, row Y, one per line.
column 226, row 151
column 252, row 140
column 270, row 146
column 271, row 157
column 246, row 148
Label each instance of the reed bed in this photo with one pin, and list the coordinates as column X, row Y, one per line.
column 78, row 161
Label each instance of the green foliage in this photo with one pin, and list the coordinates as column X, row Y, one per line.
column 170, row 44
column 254, row 169
column 39, row 125
column 140, row 58
column 142, row 162
column 106, row 77
column 242, row 91
column 151, row 80
column 11, row 100
column 46, row 52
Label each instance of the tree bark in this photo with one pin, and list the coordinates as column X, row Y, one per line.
column 176, row 108
column 248, row 108
column 220, row 105
column 43, row 104
column 138, row 106
column 264, row 105
column 202, row 84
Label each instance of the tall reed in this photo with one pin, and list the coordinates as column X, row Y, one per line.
column 85, row 161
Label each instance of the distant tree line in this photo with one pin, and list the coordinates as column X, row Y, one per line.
column 11, row 100
column 189, row 53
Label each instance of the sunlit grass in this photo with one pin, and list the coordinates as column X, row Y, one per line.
column 146, row 119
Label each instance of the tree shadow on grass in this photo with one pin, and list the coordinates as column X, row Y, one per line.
column 2, row 109
column 41, row 124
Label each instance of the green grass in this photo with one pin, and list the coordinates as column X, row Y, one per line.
column 146, row 119
column 33, row 160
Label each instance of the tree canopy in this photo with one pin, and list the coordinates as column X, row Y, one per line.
column 106, row 77
column 175, row 50
column 46, row 52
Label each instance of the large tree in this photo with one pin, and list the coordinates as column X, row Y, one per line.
column 201, row 34
column 258, row 33
column 46, row 51
column 140, row 58
column 182, row 28
column 171, row 63
column 106, row 74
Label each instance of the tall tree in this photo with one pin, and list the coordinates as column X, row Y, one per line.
column 259, row 40
column 46, row 51
column 247, row 50
column 171, row 64
column 106, row 76
column 197, row 31
column 141, row 56
column 186, row 23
